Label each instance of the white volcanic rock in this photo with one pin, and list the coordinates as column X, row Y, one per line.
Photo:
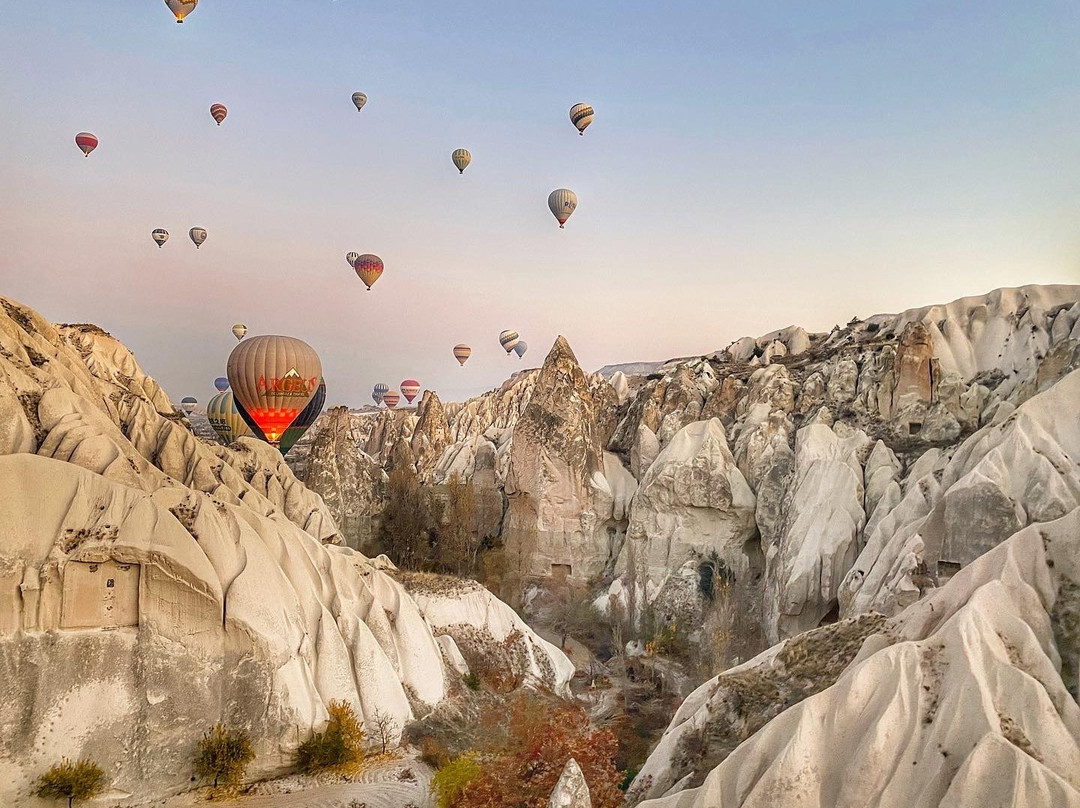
column 431, row 435
column 692, row 501
column 644, row 451
column 571, row 791
column 956, row 702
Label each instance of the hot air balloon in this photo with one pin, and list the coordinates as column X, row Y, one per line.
column 221, row 384
column 197, row 235
column 521, row 348
column 378, row 391
column 508, row 339
column 462, row 352
column 274, row 378
column 86, row 142
column 390, row 399
column 224, row 416
column 369, row 268
column 187, row 404
column 160, row 236
column 581, row 116
column 351, row 258
column 359, row 99
column 410, row 388
column 562, row 202
column 181, row 8
column 239, row 330
column 304, row 420
column 461, row 158
column 218, row 112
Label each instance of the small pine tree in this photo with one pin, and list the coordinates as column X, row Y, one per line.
column 74, row 782
column 223, row 755
column 340, row 744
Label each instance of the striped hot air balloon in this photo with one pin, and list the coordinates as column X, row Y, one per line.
column 274, row 378
column 359, row 99
column 218, row 112
column 369, row 268
column 351, row 258
column 521, row 348
column 462, row 352
column 86, row 142
column 562, row 202
column 224, row 416
column 378, row 391
column 187, row 404
column 197, row 236
column 508, row 339
column 221, row 384
column 239, row 330
column 304, row 420
column 581, row 115
column 160, row 236
column 461, row 158
column 410, row 388
column 181, row 8
column 390, row 399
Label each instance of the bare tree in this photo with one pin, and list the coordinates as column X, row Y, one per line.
column 383, row 729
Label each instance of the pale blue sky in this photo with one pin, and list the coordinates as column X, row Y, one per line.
column 751, row 165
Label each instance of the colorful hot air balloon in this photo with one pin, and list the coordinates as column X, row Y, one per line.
column 581, row 116
column 181, row 8
column 197, row 236
column 359, row 99
column 508, row 339
column 224, row 416
column 390, row 399
column 410, row 388
column 218, row 112
column 274, row 378
column 562, row 202
column 86, row 142
column 378, row 391
column 239, row 330
column 521, row 348
column 187, row 404
column 221, row 384
column 461, row 158
column 304, row 420
column 462, row 352
column 351, row 258
column 368, row 268
column 160, row 237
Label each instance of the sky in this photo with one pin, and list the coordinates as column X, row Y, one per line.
column 751, row 165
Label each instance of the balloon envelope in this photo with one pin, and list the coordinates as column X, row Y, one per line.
column 187, row 403
column 304, row 420
column 391, row 398
column 369, row 268
column 221, row 384
column 462, row 352
column 581, row 115
column 160, row 236
column 461, row 158
column 218, row 112
column 508, row 339
column 359, row 99
column 410, row 388
column 239, row 330
column 181, row 8
column 562, row 202
column 197, row 235
column 521, row 348
column 86, row 142
column 274, row 378
column 378, row 391
column 225, row 418
column 351, row 258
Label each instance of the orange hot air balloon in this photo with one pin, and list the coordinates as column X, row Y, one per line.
column 462, row 352
column 86, row 142
column 410, row 388
column 391, row 398
column 274, row 378
column 218, row 112
column 369, row 268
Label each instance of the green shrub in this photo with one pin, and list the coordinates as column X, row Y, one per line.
column 74, row 782
column 472, row 680
column 340, row 744
column 222, row 755
column 451, row 779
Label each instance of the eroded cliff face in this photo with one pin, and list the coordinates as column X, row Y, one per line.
column 153, row 583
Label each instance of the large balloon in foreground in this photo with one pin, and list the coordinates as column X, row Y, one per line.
column 86, row 142
column 508, row 339
column 160, row 237
column 581, row 115
column 305, row 419
column 187, row 404
column 562, row 202
column 390, row 399
column 239, row 330
column 521, row 348
column 351, row 258
column 410, row 388
column 359, row 99
column 181, row 8
column 218, row 112
column 369, row 268
column 197, row 236
column 225, row 418
column 462, row 352
column 461, row 158
column 274, row 378
column 221, row 384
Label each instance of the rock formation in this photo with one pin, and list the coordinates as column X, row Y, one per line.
column 571, row 791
